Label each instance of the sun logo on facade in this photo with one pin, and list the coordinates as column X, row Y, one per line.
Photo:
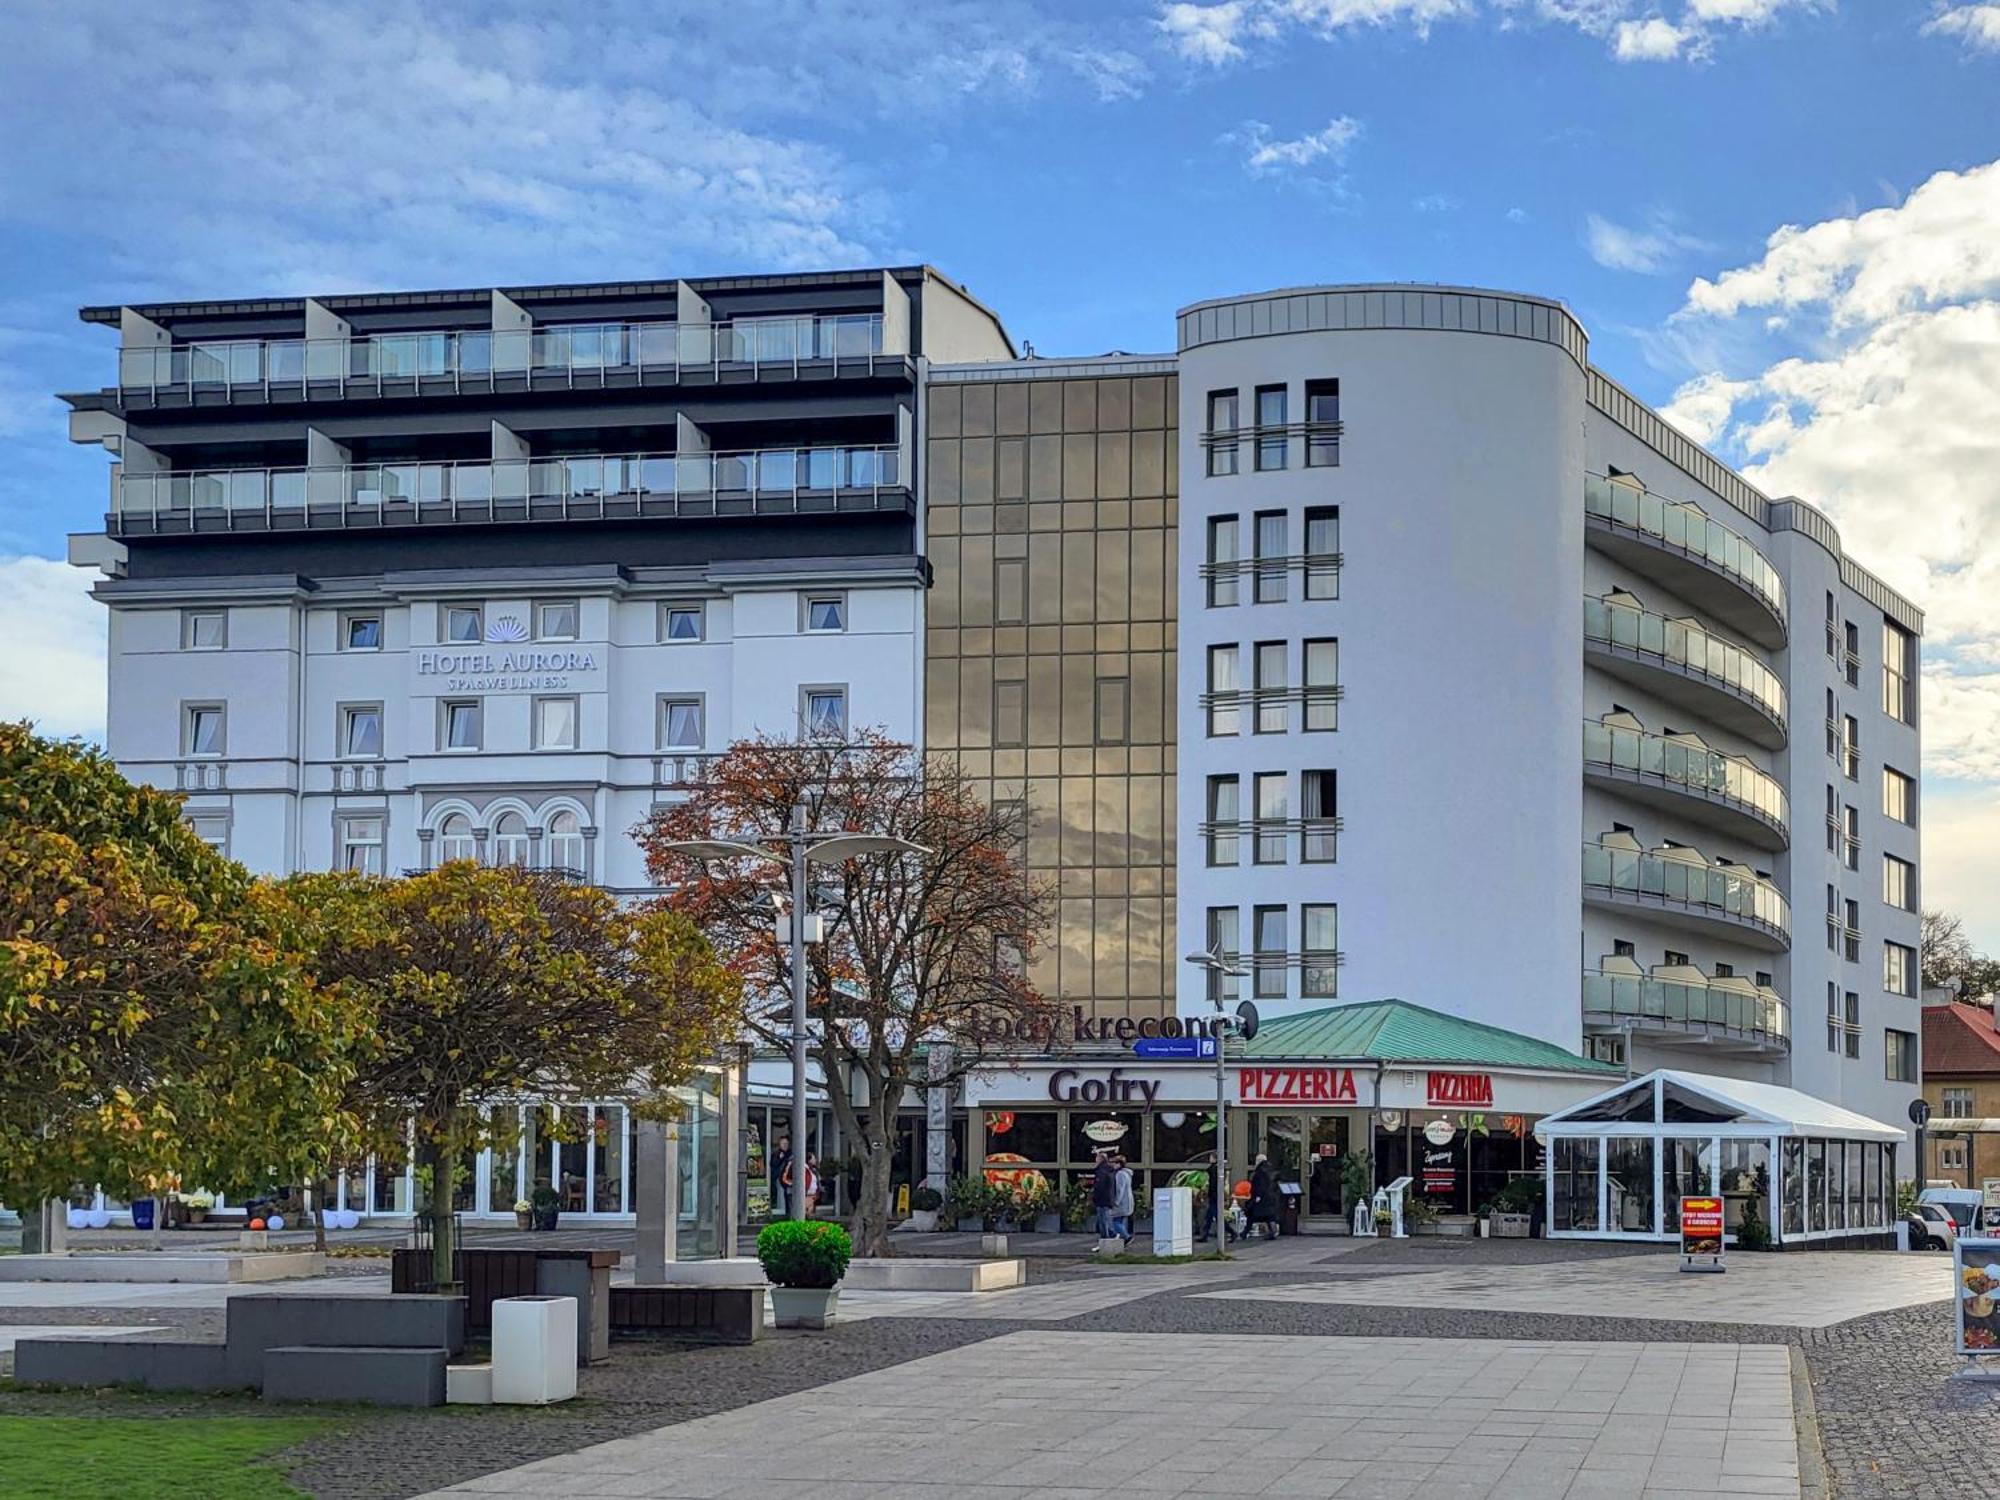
column 507, row 628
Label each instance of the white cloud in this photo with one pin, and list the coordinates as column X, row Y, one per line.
column 1265, row 156
column 1702, row 407
column 1979, row 25
column 1961, row 865
column 1961, row 720
column 1654, row 39
column 1747, row 12
column 1435, row 203
column 53, row 668
column 1211, row 34
column 1646, row 251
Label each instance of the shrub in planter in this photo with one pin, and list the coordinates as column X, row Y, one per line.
column 545, row 1207
column 926, row 1200
column 1420, row 1216
column 1752, row 1233
column 1028, row 1202
column 1076, row 1207
column 964, row 1200
column 804, row 1259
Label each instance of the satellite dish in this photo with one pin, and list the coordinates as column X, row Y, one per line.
column 1246, row 1021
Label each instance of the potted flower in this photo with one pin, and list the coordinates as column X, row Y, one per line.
column 804, row 1260
column 924, row 1205
column 1384, row 1223
column 1077, row 1209
column 1514, row 1208
column 197, row 1204
column 1421, row 1215
column 996, row 1207
column 965, row 1202
column 1029, row 1201
column 524, row 1214
column 544, row 1207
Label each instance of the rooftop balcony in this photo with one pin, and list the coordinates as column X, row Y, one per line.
column 587, row 355
column 1682, row 549
column 609, row 487
column 1680, row 773
column 1682, row 1004
column 1727, row 901
column 1681, row 661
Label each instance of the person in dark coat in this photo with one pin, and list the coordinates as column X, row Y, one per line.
column 1263, row 1199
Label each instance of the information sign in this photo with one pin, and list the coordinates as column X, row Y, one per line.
column 1184, row 1048
column 1701, row 1233
column 1976, row 1292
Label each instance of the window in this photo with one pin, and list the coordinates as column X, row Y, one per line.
column 1899, row 969
column 1899, row 673
column 1899, row 883
column 1010, row 713
column 1225, row 939
column 1834, row 1028
column 826, row 711
column 1318, row 801
column 1322, row 690
column 1725, row 971
column 1899, row 796
column 510, row 840
column 1225, row 684
column 212, row 829
column 1852, row 950
column 1623, row 948
column 1271, row 422
column 680, row 622
column 1225, row 811
column 1900, row 1063
column 1673, row 958
column 1322, row 423
column 565, row 843
column 826, row 613
column 464, row 622
column 1222, row 424
column 1957, row 1104
column 1113, row 703
column 555, row 723
column 1850, row 746
column 1223, row 555
column 1951, row 1156
column 1272, row 813
column 1269, row 959
column 1833, row 829
column 461, row 723
column 204, row 630
column 361, row 845
column 361, row 730
column 1270, row 566
column 1832, row 728
column 680, row 723
column 1850, row 837
column 361, row 632
column 455, row 839
column 1273, row 714
column 1323, row 552
column 1832, row 632
column 1832, row 920
column 203, row 729
column 1319, row 963
column 1851, row 1008
column 1852, row 653
column 1010, row 591
column 556, row 620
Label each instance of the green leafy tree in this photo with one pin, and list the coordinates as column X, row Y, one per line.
column 483, row 987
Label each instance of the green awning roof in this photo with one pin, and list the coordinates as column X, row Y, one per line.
column 1396, row 1031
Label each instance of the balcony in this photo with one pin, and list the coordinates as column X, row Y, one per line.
column 1240, row 450
column 1267, row 580
column 586, row 355
column 1270, row 840
column 595, row 487
column 1679, row 547
column 1679, row 773
column 1724, row 1015
column 1682, row 662
column 1727, row 901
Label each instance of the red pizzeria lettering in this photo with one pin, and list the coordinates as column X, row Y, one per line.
column 1297, row 1086
column 1461, row 1088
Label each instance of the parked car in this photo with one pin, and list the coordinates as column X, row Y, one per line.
column 1931, row 1227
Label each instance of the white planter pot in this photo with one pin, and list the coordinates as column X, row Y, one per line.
column 993, row 1244
column 534, row 1350
column 803, row 1307
column 923, row 1220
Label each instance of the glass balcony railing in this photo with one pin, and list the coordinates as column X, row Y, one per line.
column 1688, row 528
column 1684, row 644
column 1760, row 1014
column 1703, row 771
column 1701, row 887
column 766, row 471
column 570, row 350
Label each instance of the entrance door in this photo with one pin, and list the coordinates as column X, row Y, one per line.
column 1326, row 1144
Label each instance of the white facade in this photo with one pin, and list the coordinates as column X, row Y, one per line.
column 1580, row 736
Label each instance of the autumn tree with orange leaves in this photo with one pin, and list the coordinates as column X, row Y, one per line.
column 922, row 954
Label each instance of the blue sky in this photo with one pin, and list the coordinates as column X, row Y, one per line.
column 1778, row 218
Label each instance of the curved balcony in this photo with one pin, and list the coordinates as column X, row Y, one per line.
column 1683, row 663
column 1680, row 547
column 1725, row 1015
column 1725, row 901
column 1678, row 773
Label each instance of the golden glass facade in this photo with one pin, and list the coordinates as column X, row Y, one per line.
column 1051, row 516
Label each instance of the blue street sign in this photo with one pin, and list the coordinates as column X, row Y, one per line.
column 1175, row 1048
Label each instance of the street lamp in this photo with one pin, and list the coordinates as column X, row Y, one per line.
column 1216, row 965
column 795, row 849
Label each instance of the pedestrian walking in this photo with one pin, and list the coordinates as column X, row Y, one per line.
column 1103, row 1194
column 1263, row 1199
column 781, row 1174
column 1122, row 1202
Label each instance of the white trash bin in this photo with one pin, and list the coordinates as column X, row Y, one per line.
column 1173, row 1221
column 534, row 1350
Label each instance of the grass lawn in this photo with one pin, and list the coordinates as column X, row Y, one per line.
column 82, row 1458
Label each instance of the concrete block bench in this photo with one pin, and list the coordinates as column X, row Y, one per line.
column 152, row 1364
column 925, row 1274
column 392, row 1376
column 697, row 1314
column 143, row 1266
column 258, row 1324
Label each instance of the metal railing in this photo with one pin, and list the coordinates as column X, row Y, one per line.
column 373, row 361
column 1270, row 446
column 1270, row 840
column 1704, row 888
column 1759, row 1014
column 1684, row 644
column 480, row 483
column 1686, row 528
column 1705, row 772
column 1319, row 577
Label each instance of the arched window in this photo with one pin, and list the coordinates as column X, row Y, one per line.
column 565, row 843
column 510, row 840
column 455, row 839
